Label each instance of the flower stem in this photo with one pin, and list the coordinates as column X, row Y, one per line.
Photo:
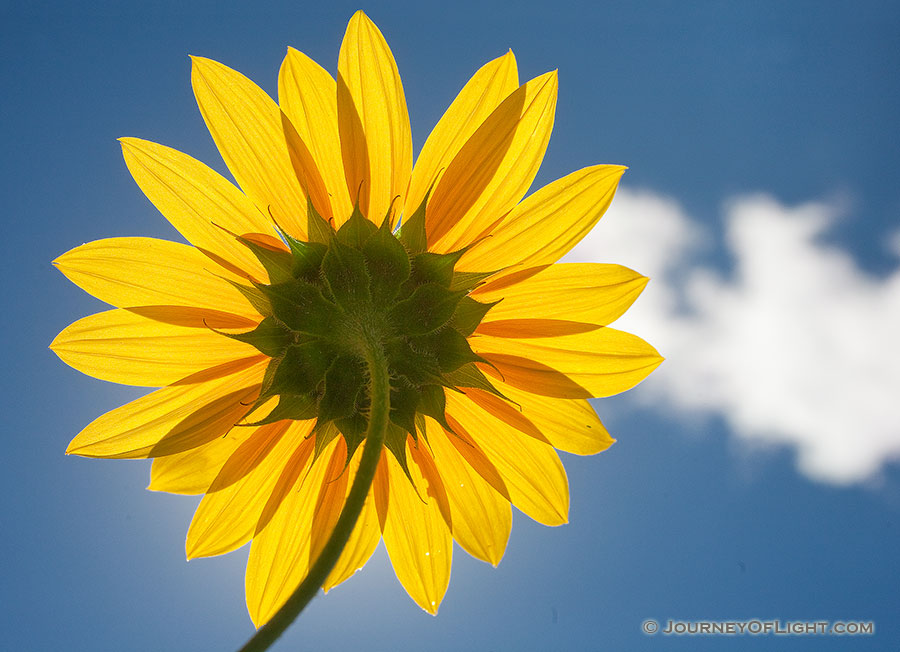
column 380, row 394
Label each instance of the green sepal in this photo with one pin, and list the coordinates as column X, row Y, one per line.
column 276, row 262
column 428, row 308
column 267, row 380
column 468, row 281
column 307, row 256
column 470, row 376
column 254, row 295
column 289, row 240
column 271, row 337
column 388, row 265
column 264, row 393
column 419, row 366
column 433, row 403
column 355, row 231
column 317, row 228
column 420, row 426
column 469, row 314
column 449, row 348
column 395, row 442
column 404, row 403
column 301, row 306
column 429, row 267
column 344, row 269
column 386, row 222
column 324, row 432
column 353, row 428
column 412, row 231
column 296, row 407
column 302, row 369
column 344, row 381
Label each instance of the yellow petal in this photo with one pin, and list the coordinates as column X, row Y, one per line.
column 433, row 487
column 549, row 222
column 306, row 169
column 489, row 86
column 376, row 141
column 482, row 518
column 196, row 318
column 279, row 556
column 506, row 412
column 299, row 464
column 247, row 127
column 227, row 516
column 532, row 328
column 571, row 425
column 192, row 471
column 331, row 499
column 308, row 96
column 123, row 347
column 598, row 363
column 129, row 272
column 198, row 201
column 381, row 489
column 579, row 292
column 476, row 458
column 364, row 538
column 417, row 539
column 495, row 167
column 530, row 469
column 171, row 420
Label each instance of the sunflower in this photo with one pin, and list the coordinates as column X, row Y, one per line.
column 337, row 265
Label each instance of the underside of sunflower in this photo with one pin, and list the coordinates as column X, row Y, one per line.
column 331, row 298
column 303, row 332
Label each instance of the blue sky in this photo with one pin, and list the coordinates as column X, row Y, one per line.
column 755, row 475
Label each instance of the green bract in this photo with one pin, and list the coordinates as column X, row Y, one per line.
column 330, row 298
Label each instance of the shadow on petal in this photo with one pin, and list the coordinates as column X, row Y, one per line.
column 532, row 328
column 213, row 420
column 193, row 317
column 532, row 376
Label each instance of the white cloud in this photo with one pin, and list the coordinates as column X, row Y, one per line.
column 794, row 345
